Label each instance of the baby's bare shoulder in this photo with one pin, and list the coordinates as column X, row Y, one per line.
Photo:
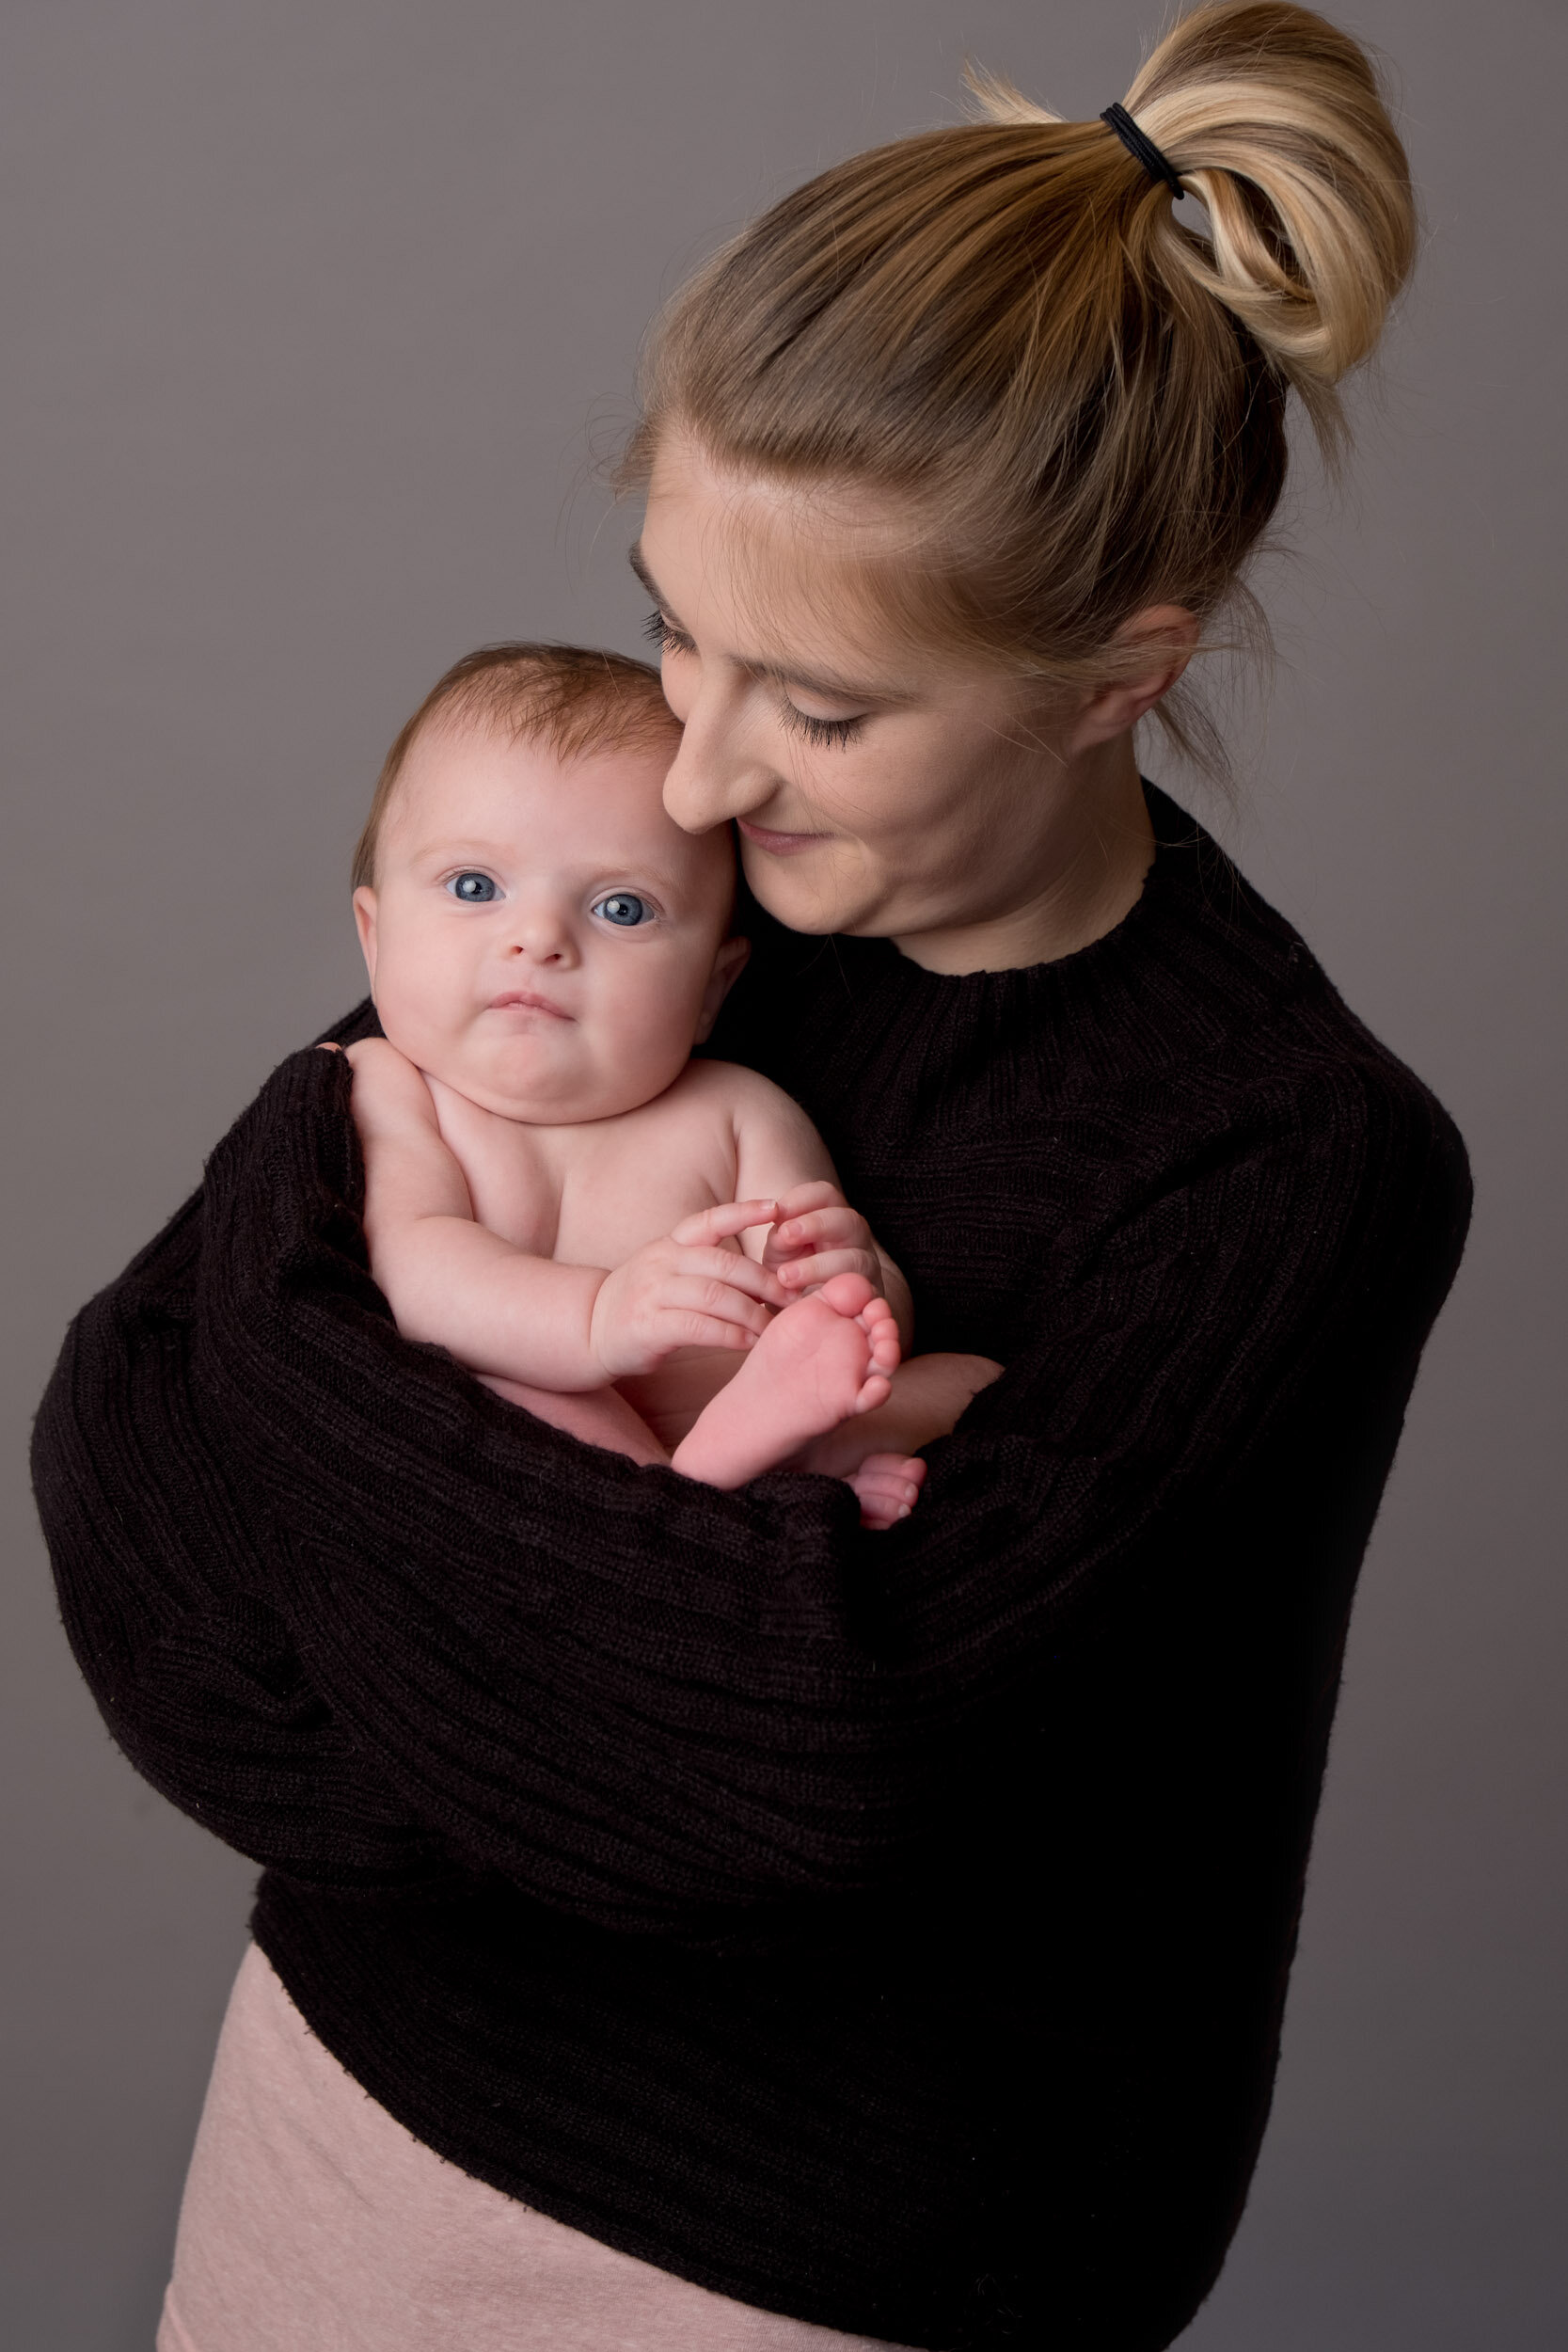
column 775, row 1145
column 726, row 1089
column 375, row 1053
column 386, row 1081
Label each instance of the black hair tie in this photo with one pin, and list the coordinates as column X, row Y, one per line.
column 1138, row 143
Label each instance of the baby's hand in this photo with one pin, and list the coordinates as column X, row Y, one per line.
column 685, row 1290
column 815, row 1236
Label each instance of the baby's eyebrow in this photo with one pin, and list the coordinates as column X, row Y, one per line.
column 633, row 874
column 821, row 682
column 668, row 886
column 445, row 849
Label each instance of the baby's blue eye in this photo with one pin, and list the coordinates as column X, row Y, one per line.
column 622, row 907
column 475, row 890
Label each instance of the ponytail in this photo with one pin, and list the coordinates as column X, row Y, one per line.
column 1274, row 121
column 1079, row 401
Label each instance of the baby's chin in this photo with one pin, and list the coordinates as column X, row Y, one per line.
column 556, row 1098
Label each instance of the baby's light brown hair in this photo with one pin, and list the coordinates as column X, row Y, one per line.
column 574, row 699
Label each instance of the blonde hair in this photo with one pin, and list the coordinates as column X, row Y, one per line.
column 1077, row 401
column 572, row 698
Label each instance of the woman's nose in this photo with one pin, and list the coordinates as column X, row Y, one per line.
column 713, row 776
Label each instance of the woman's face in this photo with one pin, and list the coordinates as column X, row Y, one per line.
column 877, row 789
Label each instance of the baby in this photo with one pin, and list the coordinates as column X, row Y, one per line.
column 647, row 1250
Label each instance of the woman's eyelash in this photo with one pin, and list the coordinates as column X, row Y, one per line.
column 663, row 634
column 824, row 733
column 836, row 732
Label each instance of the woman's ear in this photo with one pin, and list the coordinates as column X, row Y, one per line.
column 728, row 964
column 1168, row 633
column 364, row 920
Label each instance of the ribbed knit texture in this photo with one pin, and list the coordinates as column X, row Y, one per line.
column 888, row 1929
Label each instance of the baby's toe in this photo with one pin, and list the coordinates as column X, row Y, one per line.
column 847, row 1294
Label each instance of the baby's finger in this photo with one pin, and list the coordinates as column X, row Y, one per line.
column 723, row 1221
column 802, row 1274
column 729, row 1266
column 801, row 1198
column 679, row 1326
column 836, row 1224
column 694, row 1296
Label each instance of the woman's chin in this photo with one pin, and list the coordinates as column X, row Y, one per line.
column 816, row 903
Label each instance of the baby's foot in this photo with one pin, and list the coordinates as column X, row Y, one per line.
column 888, row 1487
column 819, row 1360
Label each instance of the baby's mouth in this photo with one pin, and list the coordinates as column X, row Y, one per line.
column 525, row 1000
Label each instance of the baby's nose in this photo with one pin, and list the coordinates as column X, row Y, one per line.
column 544, row 936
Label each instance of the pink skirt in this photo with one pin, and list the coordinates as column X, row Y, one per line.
column 314, row 2222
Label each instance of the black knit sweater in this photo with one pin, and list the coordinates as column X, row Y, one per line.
column 887, row 1929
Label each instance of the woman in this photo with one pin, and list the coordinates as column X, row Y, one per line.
column 782, row 1929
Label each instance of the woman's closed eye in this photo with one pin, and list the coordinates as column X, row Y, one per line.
column 826, row 733
column 834, row 732
column 471, row 887
column 665, row 635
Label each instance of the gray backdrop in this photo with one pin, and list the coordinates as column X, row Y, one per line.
column 314, row 312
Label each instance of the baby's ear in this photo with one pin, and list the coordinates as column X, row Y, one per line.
column 364, row 916
column 728, row 964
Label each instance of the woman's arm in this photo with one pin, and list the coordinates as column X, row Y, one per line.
column 336, row 1607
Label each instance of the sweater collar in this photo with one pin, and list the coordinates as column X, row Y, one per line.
column 1199, row 956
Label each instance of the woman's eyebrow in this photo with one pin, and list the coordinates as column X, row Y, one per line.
column 649, row 582
column 820, row 682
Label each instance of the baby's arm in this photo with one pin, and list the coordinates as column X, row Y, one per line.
column 507, row 1314
column 816, row 1234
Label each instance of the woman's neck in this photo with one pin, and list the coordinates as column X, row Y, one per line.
column 1087, row 852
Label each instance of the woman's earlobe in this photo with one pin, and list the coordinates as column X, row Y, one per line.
column 1171, row 634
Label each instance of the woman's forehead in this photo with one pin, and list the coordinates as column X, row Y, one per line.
column 786, row 574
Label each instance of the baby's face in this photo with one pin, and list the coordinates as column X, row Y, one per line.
column 540, row 935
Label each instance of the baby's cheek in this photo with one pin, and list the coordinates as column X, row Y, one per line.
column 415, row 1011
column 656, row 1026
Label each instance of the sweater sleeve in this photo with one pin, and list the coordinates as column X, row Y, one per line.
column 374, row 1626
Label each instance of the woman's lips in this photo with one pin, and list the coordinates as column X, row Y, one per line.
column 780, row 844
column 524, row 1000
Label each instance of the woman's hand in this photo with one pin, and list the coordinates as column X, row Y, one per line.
column 685, row 1290
column 815, row 1236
